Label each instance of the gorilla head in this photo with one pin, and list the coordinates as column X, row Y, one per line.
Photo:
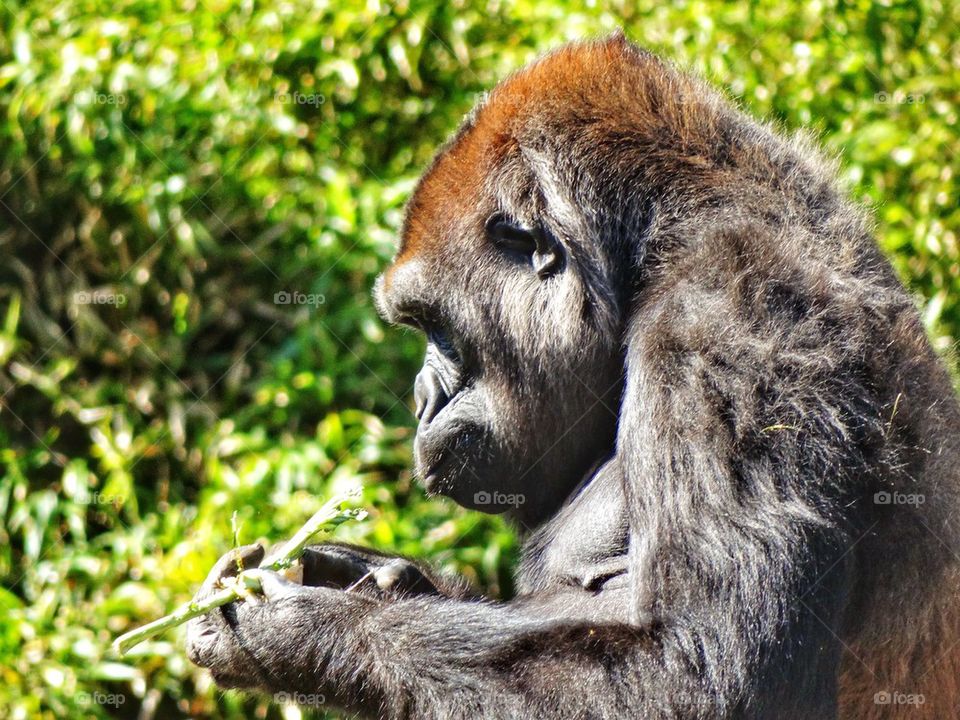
column 509, row 263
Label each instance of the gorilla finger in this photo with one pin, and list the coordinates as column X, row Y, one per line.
column 276, row 587
column 400, row 576
column 230, row 564
column 203, row 637
column 332, row 566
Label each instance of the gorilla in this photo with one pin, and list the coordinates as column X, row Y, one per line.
column 662, row 340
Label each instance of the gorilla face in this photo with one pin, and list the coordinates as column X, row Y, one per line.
column 519, row 391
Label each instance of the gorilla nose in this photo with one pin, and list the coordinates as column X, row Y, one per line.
column 429, row 394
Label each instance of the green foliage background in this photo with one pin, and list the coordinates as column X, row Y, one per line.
column 188, row 160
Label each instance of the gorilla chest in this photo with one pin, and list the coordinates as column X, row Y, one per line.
column 584, row 545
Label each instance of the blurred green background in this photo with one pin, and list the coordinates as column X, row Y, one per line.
column 171, row 172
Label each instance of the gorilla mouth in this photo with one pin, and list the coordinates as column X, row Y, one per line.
column 440, row 460
column 434, row 479
column 441, row 449
column 433, row 461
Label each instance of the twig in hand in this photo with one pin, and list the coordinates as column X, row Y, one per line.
column 326, row 518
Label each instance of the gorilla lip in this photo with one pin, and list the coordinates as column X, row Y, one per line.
column 437, row 466
column 432, row 478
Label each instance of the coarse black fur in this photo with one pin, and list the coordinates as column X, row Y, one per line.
column 663, row 340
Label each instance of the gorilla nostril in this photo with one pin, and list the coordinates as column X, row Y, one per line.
column 419, row 395
column 429, row 395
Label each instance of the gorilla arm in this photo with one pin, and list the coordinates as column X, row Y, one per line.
column 418, row 657
column 557, row 654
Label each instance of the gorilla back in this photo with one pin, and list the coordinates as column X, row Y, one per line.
column 661, row 338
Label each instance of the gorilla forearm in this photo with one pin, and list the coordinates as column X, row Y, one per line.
column 432, row 657
column 437, row 658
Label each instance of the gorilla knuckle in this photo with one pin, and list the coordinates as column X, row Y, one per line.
column 201, row 638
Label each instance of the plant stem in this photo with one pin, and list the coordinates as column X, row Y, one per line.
column 326, row 518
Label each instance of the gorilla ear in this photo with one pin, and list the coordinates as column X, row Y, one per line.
column 538, row 245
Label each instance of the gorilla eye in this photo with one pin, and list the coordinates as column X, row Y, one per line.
column 443, row 343
column 508, row 235
column 537, row 246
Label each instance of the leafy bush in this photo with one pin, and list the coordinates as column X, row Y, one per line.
column 196, row 198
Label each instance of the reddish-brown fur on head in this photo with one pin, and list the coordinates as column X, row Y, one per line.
column 581, row 83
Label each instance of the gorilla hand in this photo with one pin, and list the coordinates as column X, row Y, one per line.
column 213, row 640
column 248, row 643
